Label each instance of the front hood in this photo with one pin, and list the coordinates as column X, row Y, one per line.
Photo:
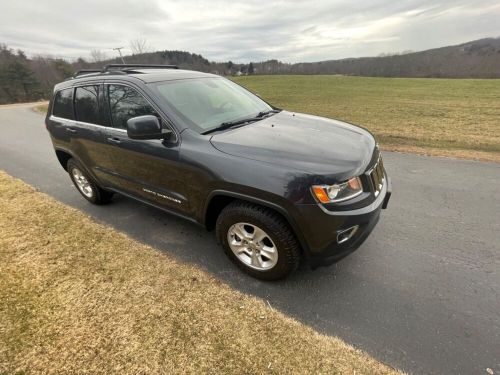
column 308, row 143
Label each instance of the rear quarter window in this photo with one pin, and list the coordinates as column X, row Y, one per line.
column 63, row 104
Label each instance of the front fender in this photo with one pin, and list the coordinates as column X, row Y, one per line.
column 281, row 206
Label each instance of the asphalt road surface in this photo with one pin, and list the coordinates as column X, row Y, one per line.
column 421, row 294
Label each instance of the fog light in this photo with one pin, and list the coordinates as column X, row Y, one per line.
column 346, row 234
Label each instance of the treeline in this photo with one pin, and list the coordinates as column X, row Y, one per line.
column 23, row 79
column 27, row 79
column 477, row 59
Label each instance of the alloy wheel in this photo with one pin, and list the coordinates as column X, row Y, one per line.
column 82, row 183
column 252, row 246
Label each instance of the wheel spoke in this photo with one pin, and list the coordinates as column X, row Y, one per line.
column 256, row 260
column 238, row 246
column 269, row 252
column 258, row 235
column 239, row 230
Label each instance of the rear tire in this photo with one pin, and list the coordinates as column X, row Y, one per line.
column 258, row 240
column 86, row 186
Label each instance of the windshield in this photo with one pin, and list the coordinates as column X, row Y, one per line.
column 206, row 103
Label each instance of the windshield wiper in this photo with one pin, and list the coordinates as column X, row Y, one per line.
column 230, row 124
column 265, row 113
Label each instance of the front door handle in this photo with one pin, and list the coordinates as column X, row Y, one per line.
column 114, row 140
column 71, row 130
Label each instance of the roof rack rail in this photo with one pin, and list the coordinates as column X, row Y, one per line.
column 121, row 69
column 127, row 66
column 86, row 71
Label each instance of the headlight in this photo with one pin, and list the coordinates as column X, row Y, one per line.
column 338, row 192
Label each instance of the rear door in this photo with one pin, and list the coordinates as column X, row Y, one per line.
column 77, row 120
column 147, row 169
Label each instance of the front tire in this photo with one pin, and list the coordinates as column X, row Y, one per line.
column 258, row 240
column 86, row 186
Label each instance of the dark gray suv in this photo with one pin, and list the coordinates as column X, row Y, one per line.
column 276, row 186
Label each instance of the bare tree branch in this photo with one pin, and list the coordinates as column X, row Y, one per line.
column 97, row 55
column 139, row 45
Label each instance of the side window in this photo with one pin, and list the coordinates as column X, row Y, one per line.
column 63, row 104
column 125, row 103
column 87, row 104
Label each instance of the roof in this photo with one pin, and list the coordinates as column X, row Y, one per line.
column 156, row 75
column 144, row 75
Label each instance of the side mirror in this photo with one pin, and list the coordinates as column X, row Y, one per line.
column 146, row 127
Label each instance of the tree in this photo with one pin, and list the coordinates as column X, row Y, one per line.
column 21, row 54
column 251, row 69
column 97, row 55
column 18, row 83
column 139, row 45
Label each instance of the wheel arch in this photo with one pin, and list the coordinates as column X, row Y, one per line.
column 219, row 199
column 63, row 157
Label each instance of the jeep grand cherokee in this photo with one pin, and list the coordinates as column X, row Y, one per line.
column 276, row 186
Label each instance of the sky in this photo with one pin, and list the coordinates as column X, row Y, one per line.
column 244, row 31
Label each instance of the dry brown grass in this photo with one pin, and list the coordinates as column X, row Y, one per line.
column 79, row 297
column 443, row 117
column 456, row 153
column 41, row 108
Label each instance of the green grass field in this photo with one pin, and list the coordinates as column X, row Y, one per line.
column 448, row 117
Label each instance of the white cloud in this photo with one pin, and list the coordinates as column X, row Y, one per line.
column 247, row 30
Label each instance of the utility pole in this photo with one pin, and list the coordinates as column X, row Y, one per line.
column 119, row 49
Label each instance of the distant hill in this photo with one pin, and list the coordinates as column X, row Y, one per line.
column 24, row 79
column 476, row 59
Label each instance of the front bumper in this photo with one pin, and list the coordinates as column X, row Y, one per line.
column 323, row 227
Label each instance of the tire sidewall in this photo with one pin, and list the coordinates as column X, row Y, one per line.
column 232, row 216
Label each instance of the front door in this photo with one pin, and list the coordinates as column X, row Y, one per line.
column 147, row 169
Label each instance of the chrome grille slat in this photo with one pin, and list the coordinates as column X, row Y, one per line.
column 377, row 176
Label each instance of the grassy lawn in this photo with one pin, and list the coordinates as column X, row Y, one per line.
column 459, row 118
column 42, row 108
column 79, row 297
column 444, row 117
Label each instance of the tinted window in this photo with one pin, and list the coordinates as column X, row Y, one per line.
column 63, row 104
column 125, row 103
column 87, row 104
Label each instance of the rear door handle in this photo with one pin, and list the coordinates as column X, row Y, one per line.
column 114, row 140
column 71, row 130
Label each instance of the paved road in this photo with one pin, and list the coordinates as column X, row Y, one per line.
column 422, row 293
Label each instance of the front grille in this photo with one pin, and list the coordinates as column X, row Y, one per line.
column 377, row 176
